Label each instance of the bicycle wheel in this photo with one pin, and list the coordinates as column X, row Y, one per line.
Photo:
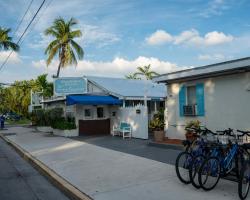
column 209, row 173
column 182, row 165
column 243, row 185
column 194, row 169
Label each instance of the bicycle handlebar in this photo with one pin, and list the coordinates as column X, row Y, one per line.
column 244, row 132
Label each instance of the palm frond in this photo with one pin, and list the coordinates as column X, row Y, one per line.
column 52, row 52
column 78, row 49
column 75, row 34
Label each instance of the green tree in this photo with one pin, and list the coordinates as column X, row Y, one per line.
column 44, row 85
column 146, row 72
column 6, row 42
column 132, row 76
column 63, row 44
column 16, row 97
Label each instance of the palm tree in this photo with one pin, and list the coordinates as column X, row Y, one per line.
column 43, row 84
column 145, row 71
column 63, row 44
column 6, row 41
column 132, row 76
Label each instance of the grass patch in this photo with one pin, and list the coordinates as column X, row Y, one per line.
column 19, row 122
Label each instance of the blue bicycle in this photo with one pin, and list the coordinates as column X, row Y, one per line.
column 222, row 162
column 193, row 149
column 211, row 149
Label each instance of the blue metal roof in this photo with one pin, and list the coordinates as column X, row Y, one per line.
column 92, row 100
column 130, row 87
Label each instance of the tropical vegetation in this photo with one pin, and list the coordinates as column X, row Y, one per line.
column 157, row 123
column 16, row 98
column 6, row 42
column 52, row 117
column 64, row 46
column 143, row 72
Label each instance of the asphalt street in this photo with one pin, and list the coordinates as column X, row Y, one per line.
column 20, row 181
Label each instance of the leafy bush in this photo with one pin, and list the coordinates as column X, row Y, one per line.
column 55, row 114
column 193, row 124
column 41, row 117
column 158, row 121
column 38, row 117
column 64, row 124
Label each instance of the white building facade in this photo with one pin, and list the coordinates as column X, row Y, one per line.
column 109, row 101
column 217, row 95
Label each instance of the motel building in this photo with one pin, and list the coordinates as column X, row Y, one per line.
column 218, row 95
column 100, row 103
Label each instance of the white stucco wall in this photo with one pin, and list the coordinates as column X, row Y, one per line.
column 79, row 112
column 138, row 121
column 227, row 104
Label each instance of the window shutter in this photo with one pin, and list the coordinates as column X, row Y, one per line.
column 200, row 99
column 182, row 99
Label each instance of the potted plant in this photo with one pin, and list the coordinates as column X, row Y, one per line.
column 191, row 135
column 157, row 125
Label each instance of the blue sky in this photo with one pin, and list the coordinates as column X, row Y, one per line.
column 119, row 35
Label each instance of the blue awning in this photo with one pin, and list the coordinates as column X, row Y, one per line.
column 92, row 100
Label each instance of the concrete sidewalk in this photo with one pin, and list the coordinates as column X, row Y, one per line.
column 107, row 174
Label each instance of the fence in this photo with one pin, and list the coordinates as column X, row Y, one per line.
column 136, row 116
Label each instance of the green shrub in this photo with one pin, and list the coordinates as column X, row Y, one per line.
column 158, row 121
column 39, row 117
column 42, row 117
column 64, row 124
column 55, row 114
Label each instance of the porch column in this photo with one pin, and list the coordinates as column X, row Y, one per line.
column 155, row 106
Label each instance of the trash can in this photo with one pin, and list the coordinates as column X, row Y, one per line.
column 2, row 122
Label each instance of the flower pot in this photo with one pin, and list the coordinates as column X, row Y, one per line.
column 65, row 133
column 44, row 129
column 159, row 136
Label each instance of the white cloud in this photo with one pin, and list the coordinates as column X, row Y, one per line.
column 159, row 37
column 95, row 34
column 190, row 37
column 118, row 67
column 211, row 57
column 186, row 36
column 215, row 7
column 13, row 59
column 214, row 38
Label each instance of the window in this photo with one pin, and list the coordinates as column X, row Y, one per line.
column 191, row 95
column 100, row 113
column 87, row 113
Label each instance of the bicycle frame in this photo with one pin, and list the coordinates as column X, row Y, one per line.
column 228, row 159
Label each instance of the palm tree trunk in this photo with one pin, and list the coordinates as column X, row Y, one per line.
column 61, row 60
column 58, row 70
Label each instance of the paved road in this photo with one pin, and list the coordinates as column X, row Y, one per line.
column 107, row 174
column 20, row 181
column 133, row 146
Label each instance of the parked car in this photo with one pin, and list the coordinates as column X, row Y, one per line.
column 12, row 116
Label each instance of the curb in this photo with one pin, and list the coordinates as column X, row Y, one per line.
column 63, row 185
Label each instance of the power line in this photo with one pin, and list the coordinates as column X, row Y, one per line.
column 6, row 60
column 38, row 18
column 20, row 22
